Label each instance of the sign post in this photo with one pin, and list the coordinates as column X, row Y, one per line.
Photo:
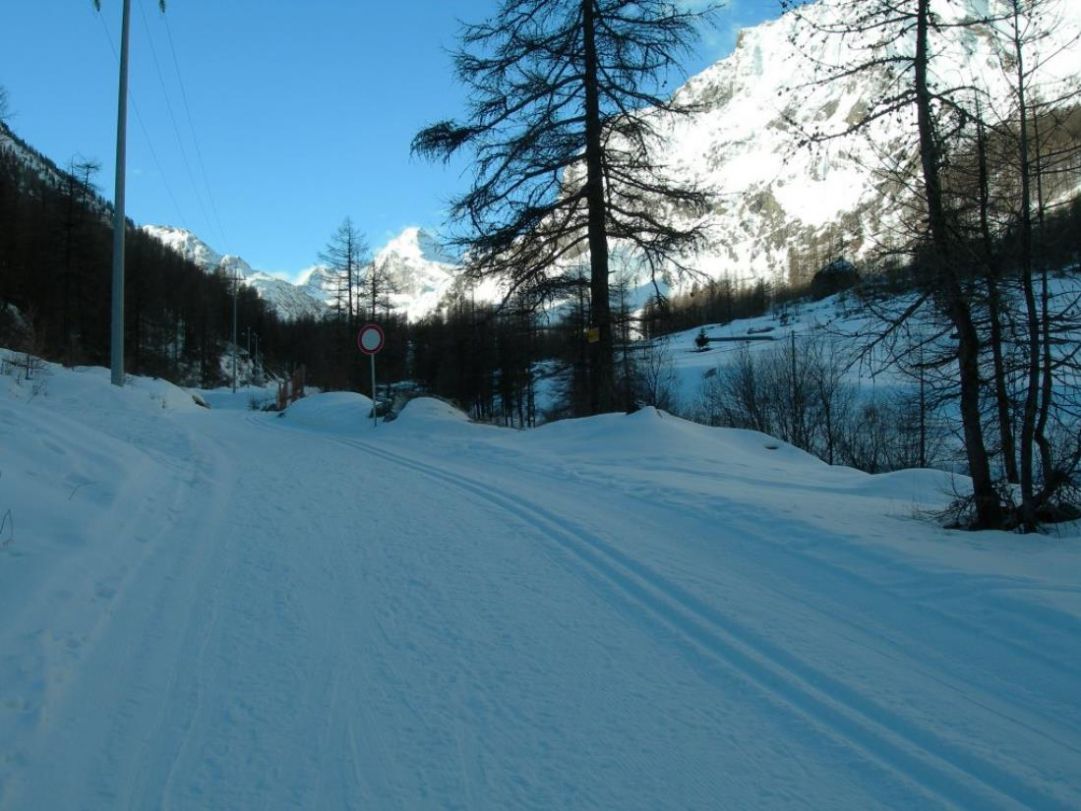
column 370, row 340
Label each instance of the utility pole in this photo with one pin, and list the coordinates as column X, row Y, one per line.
column 116, row 354
column 236, row 287
column 119, row 220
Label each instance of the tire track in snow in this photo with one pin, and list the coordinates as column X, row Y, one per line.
column 938, row 766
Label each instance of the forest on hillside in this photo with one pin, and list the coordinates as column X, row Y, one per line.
column 55, row 279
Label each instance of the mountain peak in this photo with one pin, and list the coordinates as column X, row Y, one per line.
column 416, row 244
column 187, row 244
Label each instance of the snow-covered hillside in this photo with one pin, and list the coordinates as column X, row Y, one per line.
column 781, row 209
column 420, row 269
column 41, row 165
column 421, row 272
column 287, row 299
column 229, row 609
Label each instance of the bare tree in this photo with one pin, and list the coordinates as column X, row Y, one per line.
column 655, row 379
column 345, row 254
column 376, row 286
column 878, row 25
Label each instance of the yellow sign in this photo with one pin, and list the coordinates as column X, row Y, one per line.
column 593, row 334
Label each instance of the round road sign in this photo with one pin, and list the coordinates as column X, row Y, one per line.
column 370, row 339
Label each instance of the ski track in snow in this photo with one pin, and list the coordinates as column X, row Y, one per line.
column 940, row 768
column 262, row 614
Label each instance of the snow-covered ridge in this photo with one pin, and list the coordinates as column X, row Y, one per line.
column 421, row 271
column 185, row 243
column 780, row 209
column 45, row 168
column 288, row 300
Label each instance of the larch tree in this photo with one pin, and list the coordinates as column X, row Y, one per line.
column 979, row 168
column 346, row 254
column 1026, row 27
column 875, row 31
column 377, row 285
column 565, row 101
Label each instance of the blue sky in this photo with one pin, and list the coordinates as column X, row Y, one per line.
column 286, row 117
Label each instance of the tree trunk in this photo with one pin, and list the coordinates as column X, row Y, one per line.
column 1051, row 479
column 995, row 314
column 601, row 381
column 956, row 306
column 1032, row 320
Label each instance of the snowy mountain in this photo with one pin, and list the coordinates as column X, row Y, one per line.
column 30, row 157
column 780, row 209
column 421, row 273
column 188, row 245
column 52, row 174
column 288, row 300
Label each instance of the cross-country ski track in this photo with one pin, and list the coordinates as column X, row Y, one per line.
column 230, row 609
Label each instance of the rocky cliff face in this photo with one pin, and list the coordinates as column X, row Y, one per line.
column 783, row 209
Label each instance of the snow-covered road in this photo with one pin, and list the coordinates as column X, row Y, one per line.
column 231, row 610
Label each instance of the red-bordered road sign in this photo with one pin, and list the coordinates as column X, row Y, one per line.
column 370, row 339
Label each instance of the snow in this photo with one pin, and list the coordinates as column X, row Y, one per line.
column 420, row 269
column 421, row 272
column 778, row 202
column 225, row 608
column 185, row 243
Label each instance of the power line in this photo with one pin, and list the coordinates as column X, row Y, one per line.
column 172, row 116
column 191, row 126
column 142, row 126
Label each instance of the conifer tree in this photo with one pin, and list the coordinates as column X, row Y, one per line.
column 566, row 96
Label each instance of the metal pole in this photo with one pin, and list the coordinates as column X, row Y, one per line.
column 375, row 415
column 236, row 285
column 119, row 220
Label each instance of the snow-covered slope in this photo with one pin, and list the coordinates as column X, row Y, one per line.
column 46, row 169
column 288, row 300
column 421, row 272
column 188, row 245
column 781, row 210
column 43, row 166
column 223, row 609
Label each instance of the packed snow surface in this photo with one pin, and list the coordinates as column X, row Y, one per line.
column 224, row 609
